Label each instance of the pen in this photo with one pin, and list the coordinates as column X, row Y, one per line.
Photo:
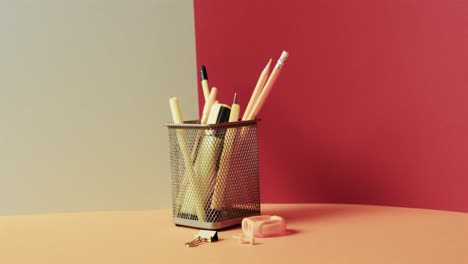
column 235, row 108
column 204, row 82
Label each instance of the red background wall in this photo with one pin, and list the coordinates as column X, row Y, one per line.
column 371, row 106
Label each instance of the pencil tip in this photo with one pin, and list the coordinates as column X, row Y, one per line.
column 235, row 99
column 267, row 67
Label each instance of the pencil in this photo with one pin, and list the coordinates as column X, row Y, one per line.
column 268, row 86
column 207, row 107
column 258, row 88
column 189, row 176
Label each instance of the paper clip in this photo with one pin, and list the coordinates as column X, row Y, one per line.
column 204, row 236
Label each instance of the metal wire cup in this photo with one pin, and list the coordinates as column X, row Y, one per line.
column 215, row 173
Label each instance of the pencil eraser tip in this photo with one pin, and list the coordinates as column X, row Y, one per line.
column 284, row 55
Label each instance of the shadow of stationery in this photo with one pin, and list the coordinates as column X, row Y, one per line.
column 316, row 212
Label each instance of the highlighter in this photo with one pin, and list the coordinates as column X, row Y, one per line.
column 219, row 114
column 218, row 199
column 207, row 156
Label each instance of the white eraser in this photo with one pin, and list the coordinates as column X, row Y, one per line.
column 284, row 56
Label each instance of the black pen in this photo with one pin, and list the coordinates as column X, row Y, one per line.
column 204, row 82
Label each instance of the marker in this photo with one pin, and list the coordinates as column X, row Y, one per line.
column 204, row 82
column 209, row 151
column 219, row 193
column 219, row 114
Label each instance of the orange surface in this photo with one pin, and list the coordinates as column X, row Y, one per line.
column 319, row 233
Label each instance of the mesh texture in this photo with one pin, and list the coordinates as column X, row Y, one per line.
column 214, row 171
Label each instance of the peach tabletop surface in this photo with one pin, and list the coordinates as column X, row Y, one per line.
column 318, row 233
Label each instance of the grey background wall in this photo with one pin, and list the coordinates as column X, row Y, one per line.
column 84, row 89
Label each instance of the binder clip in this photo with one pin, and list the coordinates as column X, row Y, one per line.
column 204, row 236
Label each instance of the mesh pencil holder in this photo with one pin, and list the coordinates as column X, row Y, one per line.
column 215, row 173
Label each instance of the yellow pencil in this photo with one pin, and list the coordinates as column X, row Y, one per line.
column 268, row 86
column 207, row 107
column 189, row 179
column 258, row 88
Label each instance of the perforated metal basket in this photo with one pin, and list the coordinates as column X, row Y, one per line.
column 215, row 173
